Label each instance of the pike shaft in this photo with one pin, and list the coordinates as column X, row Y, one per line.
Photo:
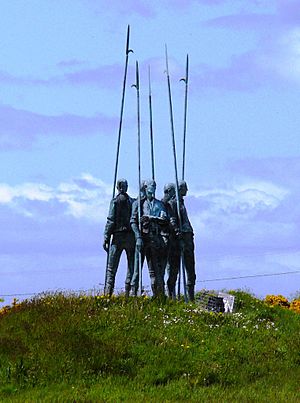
column 119, row 135
column 175, row 167
column 185, row 114
column 137, row 85
column 121, row 113
column 151, row 127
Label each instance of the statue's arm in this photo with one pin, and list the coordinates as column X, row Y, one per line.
column 134, row 220
column 110, row 223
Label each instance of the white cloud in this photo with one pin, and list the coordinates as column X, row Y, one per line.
column 6, row 194
column 251, row 214
column 218, row 214
column 84, row 197
column 246, row 198
column 30, row 191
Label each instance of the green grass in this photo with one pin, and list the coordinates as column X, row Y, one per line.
column 69, row 348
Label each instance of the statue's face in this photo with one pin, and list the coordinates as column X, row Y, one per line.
column 143, row 190
column 150, row 192
column 122, row 187
column 183, row 189
column 169, row 193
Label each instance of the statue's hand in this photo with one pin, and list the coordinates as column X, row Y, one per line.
column 106, row 245
column 145, row 219
column 139, row 244
column 178, row 235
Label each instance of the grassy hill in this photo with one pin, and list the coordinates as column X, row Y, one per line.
column 69, row 348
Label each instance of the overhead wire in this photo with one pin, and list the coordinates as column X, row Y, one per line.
column 121, row 289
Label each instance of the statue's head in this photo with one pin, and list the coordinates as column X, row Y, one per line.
column 143, row 188
column 169, row 191
column 150, row 189
column 151, row 182
column 182, row 188
column 122, row 186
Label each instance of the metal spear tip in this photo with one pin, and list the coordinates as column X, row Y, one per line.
column 127, row 41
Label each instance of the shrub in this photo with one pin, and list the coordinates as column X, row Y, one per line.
column 295, row 305
column 277, row 300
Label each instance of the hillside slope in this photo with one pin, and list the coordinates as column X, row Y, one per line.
column 69, row 348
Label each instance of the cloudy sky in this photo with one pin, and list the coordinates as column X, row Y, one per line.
column 61, row 72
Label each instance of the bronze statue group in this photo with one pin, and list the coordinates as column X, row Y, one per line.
column 150, row 228
column 158, row 230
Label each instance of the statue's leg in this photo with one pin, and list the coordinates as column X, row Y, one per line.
column 115, row 251
column 164, row 255
column 134, row 283
column 159, row 260
column 130, row 253
column 189, row 262
column 173, row 268
column 151, row 267
column 155, row 267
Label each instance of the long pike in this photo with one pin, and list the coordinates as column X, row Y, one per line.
column 137, row 86
column 176, row 175
column 151, row 126
column 186, row 81
column 119, row 134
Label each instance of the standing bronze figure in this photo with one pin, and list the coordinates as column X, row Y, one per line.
column 118, row 225
column 149, row 239
column 183, row 244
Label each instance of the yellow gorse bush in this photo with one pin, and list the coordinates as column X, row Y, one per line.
column 277, row 300
column 295, row 305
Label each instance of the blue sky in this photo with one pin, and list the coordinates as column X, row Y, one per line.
column 61, row 75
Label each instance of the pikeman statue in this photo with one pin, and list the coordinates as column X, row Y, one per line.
column 118, row 225
column 149, row 241
column 184, row 241
column 167, row 232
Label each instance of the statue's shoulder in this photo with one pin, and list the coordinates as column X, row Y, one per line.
column 172, row 202
column 160, row 203
column 132, row 200
column 114, row 200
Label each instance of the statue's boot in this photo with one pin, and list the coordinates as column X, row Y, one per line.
column 127, row 290
column 160, row 290
column 133, row 291
column 191, row 292
column 108, row 290
column 171, row 292
column 154, row 290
